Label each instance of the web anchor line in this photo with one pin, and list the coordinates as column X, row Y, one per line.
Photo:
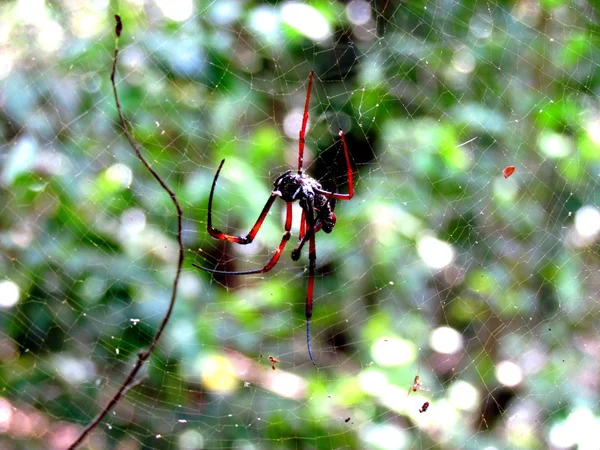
column 130, row 380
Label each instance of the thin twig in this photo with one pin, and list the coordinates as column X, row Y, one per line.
column 143, row 355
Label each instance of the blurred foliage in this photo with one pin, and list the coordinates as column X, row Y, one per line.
column 436, row 98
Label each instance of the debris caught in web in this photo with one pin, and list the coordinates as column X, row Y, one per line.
column 508, row 171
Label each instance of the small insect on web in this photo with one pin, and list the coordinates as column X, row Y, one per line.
column 417, row 386
column 317, row 214
column 273, row 361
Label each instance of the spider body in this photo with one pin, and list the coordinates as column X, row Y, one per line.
column 305, row 189
column 317, row 207
column 295, row 186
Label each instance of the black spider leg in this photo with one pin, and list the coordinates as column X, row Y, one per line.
column 242, row 240
column 274, row 258
column 308, row 206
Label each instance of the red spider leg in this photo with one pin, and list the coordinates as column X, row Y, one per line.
column 312, row 262
column 350, row 193
column 298, row 249
column 274, row 258
column 304, row 122
column 302, row 226
column 227, row 237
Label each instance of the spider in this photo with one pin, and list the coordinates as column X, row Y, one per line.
column 317, row 214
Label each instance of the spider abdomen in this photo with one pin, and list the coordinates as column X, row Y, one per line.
column 295, row 186
column 324, row 211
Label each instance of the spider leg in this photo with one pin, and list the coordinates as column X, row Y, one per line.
column 303, row 236
column 296, row 252
column 304, row 122
column 350, row 193
column 274, row 258
column 243, row 240
column 302, row 225
column 312, row 262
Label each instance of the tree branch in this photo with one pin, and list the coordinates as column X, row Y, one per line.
column 143, row 355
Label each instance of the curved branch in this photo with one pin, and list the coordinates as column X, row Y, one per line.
column 143, row 355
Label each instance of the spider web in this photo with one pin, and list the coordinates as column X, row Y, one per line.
column 483, row 286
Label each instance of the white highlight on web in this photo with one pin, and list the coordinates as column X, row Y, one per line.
column 463, row 60
column 265, row 20
column 508, row 373
column 580, row 429
column 441, row 416
column 373, row 382
column 292, row 123
column 392, row 352
column 286, row 384
column 121, row 174
column 445, row 340
column 358, row 12
column 192, row 439
column 6, row 415
column 481, row 26
column 436, row 253
column 555, row 145
column 7, row 60
column 593, row 129
column 385, row 436
column 9, row 294
column 50, row 36
column 464, row 395
column 587, row 221
column 306, row 19
column 177, row 10
column 74, row 370
column 225, row 12
column 133, row 221
column 31, row 11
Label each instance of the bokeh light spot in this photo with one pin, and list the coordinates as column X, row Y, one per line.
column 445, row 340
column 9, row 294
column 587, row 221
column 177, row 10
column 120, row 174
column 435, row 253
column 218, row 374
column 306, row 19
column 292, row 123
column 393, row 352
column 508, row 373
column 463, row 395
column 373, row 382
column 359, row 12
column 385, row 437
